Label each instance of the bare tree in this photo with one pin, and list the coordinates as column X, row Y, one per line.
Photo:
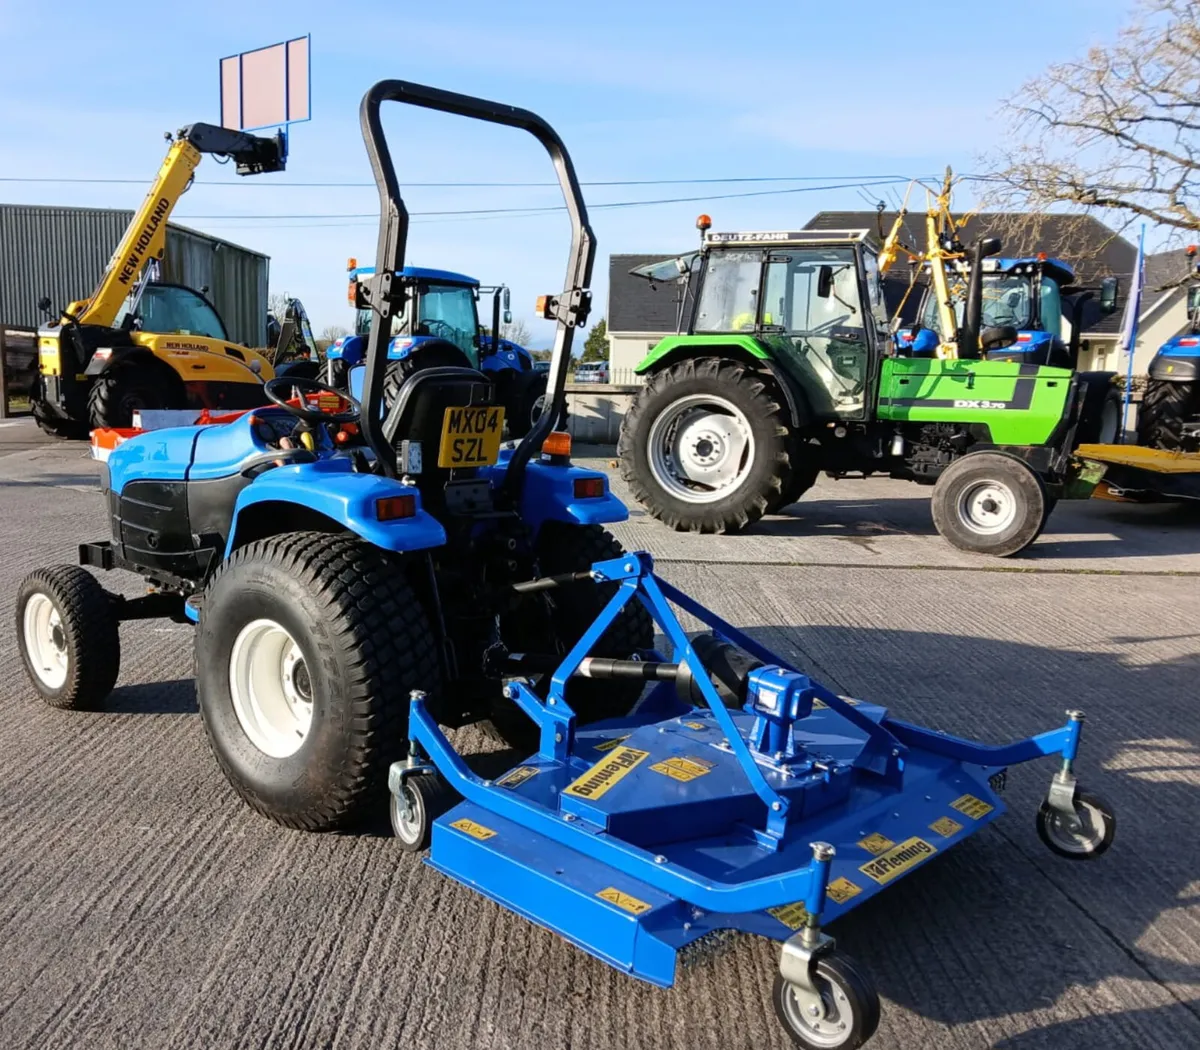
column 329, row 334
column 1117, row 131
column 517, row 332
column 277, row 304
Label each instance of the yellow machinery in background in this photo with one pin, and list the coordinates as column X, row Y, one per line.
column 139, row 343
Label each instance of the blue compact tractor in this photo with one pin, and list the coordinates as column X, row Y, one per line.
column 362, row 578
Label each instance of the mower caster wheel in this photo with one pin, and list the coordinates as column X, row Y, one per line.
column 426, row 798
column 851, row 1006
column 1097, row 825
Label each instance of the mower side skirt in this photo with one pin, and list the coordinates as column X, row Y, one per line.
column 560, row 889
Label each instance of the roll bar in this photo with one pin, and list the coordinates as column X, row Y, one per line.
column 385, row 296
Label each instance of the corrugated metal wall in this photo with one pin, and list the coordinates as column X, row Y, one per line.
column 61, row 253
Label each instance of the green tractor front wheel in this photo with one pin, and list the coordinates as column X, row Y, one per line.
column 990, row 503
column 705, row 446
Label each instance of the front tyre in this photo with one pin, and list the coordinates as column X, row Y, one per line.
column 67, row 631
column 704, row 446
column 307, row 649
column 989, row 503
column 849, row 1010
column 118, row 393
column 1162, row 412
column 1091, row 833
column 527, row 398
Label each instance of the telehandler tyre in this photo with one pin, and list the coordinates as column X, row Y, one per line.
column 554, row 624
column 989, row 503
column 704, row 447
column 307, row 649
column 118, row 393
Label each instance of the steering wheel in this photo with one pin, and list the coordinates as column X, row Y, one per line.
column 444, row 329
column 274, row 389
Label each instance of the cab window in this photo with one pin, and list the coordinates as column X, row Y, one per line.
column 171, row 309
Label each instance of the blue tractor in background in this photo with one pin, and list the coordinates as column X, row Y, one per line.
column 1169, row 415
column 440, row 327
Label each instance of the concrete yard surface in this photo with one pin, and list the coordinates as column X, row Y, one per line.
column 144, row 906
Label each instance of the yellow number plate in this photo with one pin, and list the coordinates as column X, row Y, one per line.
column 471, row 436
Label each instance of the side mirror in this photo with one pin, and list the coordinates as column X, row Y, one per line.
column 989, row 246
column 44, row 304
column 997, row 337
column 825, row 282
column 1193, row 299
column 1108, row 295
column 507, row 300
column 507, row 316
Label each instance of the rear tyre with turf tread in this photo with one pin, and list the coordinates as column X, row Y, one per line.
column 763, row 481
column 564, row 548
column 365, row 641
column 66, row 606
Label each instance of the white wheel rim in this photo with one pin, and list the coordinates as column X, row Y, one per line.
column 701, row 448
column 538, row 405
column 271, row 688
column 45, row 641
column 987, row 507
column 831, row 1030
column 408, row 823
column 1084, row 840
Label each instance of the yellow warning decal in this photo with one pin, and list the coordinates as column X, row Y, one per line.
column 792, row 916
column 616, row 741
column 623, row 900
column 973, row 807
column 476, row 831
column 605, row 773
column 698, row 726
column 876, row 843
column 515, row 777
column 682, row 769
column 898, row 860
column 945, row 826
column 841, row 890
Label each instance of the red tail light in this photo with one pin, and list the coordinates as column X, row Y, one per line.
column 589, row 488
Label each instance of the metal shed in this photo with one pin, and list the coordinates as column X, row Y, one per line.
column 61, row 253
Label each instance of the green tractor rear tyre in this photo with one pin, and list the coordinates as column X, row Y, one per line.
column 704, row 446
column 989, row 503
column 307, row 649
column 554, row 621
column 1162, row 412
column 805, row 457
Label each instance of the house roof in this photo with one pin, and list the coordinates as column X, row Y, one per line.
column 1092, row 249
column 634, row 304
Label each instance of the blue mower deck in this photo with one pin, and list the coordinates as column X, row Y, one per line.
column 634, row 837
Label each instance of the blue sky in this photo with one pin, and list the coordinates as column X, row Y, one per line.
column 705, row 89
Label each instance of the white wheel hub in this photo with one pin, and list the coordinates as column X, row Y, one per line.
column 538, row 407
column 45, row 640
column 829, row 1030
column 701, row 448
column 987, row 507
column 271, row 688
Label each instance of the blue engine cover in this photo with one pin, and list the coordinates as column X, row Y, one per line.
column 349, row 348
column 1181, row 346
column 509, row 358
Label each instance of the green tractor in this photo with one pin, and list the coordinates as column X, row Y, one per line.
column 786, row 366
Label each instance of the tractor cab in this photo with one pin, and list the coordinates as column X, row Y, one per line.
column 441, row 307
column 1024, row 294
column 812, row 301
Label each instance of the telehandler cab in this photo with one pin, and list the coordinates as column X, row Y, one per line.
column 139, row 343
column 352, row 598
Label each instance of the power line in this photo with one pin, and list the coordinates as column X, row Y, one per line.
column 527, row 211
column 461, row 185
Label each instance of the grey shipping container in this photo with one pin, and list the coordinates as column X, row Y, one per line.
column 61, row 253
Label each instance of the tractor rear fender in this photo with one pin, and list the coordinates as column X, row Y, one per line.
column 562, row 493
column 309, row 496
column 743, row 348
column 1175, row 368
